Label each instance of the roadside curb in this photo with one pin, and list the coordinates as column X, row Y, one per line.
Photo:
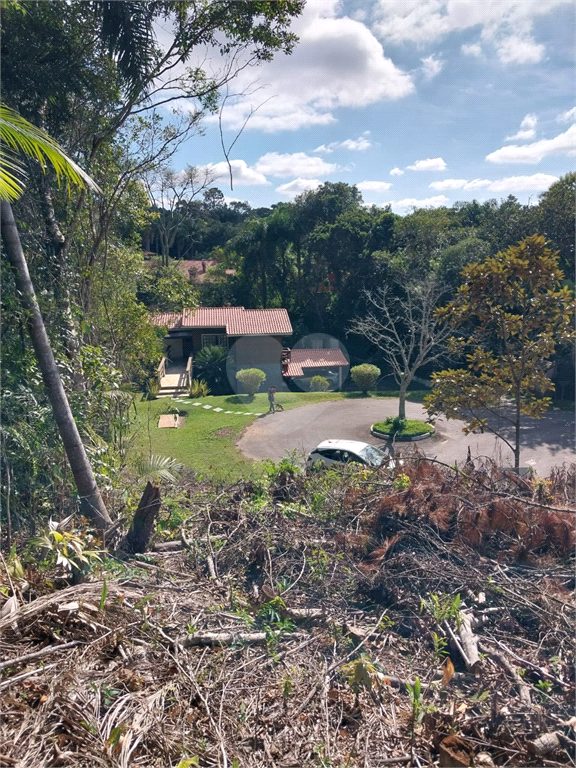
column 407, row 439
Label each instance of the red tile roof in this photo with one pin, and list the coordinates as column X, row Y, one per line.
column 237, row 321
column 314, row 358
column 169, row 319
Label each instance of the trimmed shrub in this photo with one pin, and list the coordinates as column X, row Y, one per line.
column 319, row 384
column 251, row 379
column 365, row 376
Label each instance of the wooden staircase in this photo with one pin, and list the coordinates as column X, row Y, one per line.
column 174, row 378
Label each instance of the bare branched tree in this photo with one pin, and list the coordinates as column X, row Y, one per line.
column 169, row 191
column 401, row 322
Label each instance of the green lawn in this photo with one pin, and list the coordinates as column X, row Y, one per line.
column 207, row 441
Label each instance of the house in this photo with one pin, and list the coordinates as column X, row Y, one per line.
column 254, row 338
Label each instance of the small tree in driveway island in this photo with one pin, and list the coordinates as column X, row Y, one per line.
column 515, row 310
column 365, row 376
column 401, row 322
column 251, row 379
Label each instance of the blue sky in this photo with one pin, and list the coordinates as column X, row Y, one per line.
column 418, row 102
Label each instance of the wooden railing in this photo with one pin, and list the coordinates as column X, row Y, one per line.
column 161, row 370
column 189, row 371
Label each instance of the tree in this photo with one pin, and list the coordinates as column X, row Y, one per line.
column 24, row 137
column 365, row 376
column 513, row 312
column 404, row 327
column 169, row 192
column 557, row 219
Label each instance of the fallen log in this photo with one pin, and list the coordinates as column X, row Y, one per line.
column 229, row 638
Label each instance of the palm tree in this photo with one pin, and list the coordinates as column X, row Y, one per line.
column 18, row 136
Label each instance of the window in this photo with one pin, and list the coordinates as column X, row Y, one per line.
column 214, row 340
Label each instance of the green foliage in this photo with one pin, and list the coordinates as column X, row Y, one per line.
column 251, row 379
column 165, row 289
column 365, row 376
column 319, row 384
column 514, row 311
column 442, row 607
column 66, row 548
column 401, row 482
column 198, row 388
column 152, row 389
column 398, row 427
column 210, row 365
column 153, row 467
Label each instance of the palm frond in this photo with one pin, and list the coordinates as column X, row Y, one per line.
column 153, row 466
column 20, row 136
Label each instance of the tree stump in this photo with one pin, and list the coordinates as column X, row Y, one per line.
column 138, row 537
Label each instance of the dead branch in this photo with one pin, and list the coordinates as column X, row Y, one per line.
column 37, row 654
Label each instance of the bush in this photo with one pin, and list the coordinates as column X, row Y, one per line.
column 403, row 428
column 210, row 365
column 152, row 389
column 251, row 379
column 319, row 384
column 198, row 388
column 365, row 376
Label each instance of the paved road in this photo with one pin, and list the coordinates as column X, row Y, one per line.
column 546, row 442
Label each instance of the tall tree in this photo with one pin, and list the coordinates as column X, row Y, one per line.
column 509, row 315
column 24, row 137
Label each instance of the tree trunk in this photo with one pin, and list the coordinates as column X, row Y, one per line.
column 138, row 537
column 91, row 503
column 402, row 401
column 517, row 435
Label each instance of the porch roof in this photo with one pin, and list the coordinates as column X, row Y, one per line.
column 314, row 358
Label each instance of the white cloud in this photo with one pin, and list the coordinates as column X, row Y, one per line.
column 459, row 184
column 431, row 164
column 471, row 49
column 566, row 117
column 296, row 187
column 299, row 164
column 535, row 183
column 374, row 186
column 564, row 143
column 337, row 63
column 519, row 50
column 396, row 172
column 538, row 182
column 527, row 129
column 357, row 145
column 412, row 202
column 431, row 67
column 506, row 24
column 242, row 174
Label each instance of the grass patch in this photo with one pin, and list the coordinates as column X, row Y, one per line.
column 207, row 441
column 403, row 429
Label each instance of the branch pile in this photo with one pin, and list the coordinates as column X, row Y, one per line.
column 335, row 619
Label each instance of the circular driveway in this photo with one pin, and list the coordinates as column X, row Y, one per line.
column 546, row 442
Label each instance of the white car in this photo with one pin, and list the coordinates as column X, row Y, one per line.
column 347, row 451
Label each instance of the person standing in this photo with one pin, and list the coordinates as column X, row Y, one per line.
column 271, row 393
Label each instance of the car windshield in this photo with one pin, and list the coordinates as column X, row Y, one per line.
column 372, row 455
